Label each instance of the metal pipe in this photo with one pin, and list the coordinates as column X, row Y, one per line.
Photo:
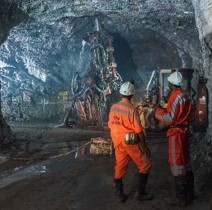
column 150, row 81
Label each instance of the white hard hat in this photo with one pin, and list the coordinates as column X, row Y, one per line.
column 127, row 89
column 176, row 78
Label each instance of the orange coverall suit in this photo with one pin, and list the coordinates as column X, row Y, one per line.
column 177, row 116
column 123, row 118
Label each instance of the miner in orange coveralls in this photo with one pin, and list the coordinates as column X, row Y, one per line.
column 129, row 142
column 177, row 116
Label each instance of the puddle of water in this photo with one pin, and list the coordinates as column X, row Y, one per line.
column 21, row 173
column 57, row 158
column 45, row 166
column 53, row 163
column 55, row 150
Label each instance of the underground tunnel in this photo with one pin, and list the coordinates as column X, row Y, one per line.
column 62, row 64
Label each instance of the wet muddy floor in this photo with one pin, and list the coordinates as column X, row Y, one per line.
column 50, row 167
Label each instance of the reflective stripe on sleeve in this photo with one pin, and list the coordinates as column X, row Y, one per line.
column 167, row 117
column 181, row 98
column 159, row 117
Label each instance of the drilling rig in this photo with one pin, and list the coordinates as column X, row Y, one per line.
column 91, row 91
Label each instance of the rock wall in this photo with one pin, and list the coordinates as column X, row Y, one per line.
column 203, row 14
column 203, row 11
column 5, row 131
column 202, row 148
column 10, row 16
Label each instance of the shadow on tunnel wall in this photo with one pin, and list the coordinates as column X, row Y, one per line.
column 10, row 16
column 123, row 58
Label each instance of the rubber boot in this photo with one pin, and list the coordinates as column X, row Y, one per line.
column 119, row 189
column 141, row 194
column 190, row 186
column 181, row 192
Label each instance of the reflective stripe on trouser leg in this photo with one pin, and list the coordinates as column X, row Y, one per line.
column 177, row 160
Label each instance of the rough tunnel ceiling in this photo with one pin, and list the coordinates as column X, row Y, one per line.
column 174, row 22
column 11, row 16
column 156, row 53
column 173, row 19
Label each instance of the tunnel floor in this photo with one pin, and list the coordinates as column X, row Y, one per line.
column 49, row 167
